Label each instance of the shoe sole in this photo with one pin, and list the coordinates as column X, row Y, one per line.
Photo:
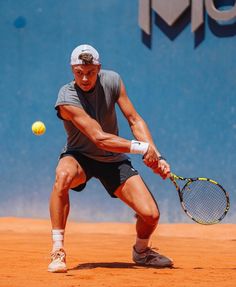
column 57, row 270
column 154, row 266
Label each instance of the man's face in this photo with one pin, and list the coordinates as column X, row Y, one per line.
column 86, row 76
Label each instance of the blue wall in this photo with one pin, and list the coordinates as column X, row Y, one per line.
column 182, row 84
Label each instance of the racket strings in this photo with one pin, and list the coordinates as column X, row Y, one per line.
column 205, row 201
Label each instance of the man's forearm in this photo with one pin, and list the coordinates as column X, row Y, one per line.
column 115, row 143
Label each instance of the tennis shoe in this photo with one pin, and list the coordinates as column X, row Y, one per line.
column 151, row 258
column 58, row 262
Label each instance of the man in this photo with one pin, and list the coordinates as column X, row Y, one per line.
column 94, row 149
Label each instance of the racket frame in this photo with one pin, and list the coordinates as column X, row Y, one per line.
column 174, row 178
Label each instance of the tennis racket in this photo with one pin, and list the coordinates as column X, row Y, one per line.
column 204, row 200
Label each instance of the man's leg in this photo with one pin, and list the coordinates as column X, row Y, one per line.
column 69, row 174
column 135, row 194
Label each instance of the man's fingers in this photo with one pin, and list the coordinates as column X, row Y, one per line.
column 160, row 167
column 154, row 165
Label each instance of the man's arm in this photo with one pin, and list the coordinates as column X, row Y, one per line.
column 106, row 141
column 141, row 132
column 91, row 128
column 138, row 126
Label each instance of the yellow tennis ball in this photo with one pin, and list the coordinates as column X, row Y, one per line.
column 38, row 128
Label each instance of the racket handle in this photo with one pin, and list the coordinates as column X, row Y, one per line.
column 172, row 176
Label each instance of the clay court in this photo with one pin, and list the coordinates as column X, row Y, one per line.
column 98, row 254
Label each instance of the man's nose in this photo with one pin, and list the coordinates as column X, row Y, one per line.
column 84, row 78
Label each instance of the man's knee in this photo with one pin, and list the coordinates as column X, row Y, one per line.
column 151, row 216
column 63, row 181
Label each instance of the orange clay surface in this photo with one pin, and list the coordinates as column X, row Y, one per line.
column 99, row 254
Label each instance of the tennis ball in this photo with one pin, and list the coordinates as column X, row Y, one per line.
column 38, row 128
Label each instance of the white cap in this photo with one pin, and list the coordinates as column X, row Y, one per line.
column 93, row 56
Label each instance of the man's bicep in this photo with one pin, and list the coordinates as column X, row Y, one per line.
column 81, row 120
column 126, row 106
column 68, row 111
column 61, row 112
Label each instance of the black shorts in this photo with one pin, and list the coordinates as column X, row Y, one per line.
column 110, row 174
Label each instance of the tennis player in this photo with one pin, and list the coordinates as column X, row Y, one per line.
column 93, row 149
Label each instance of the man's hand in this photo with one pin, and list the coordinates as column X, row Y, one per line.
column 159, row 166
column 162, row 168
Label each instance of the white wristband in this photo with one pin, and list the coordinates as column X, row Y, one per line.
column 138, row 147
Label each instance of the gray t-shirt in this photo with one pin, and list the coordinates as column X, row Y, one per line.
column 100, row 105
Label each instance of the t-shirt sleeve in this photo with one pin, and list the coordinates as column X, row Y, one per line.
column 67, row 96
column 114, row 81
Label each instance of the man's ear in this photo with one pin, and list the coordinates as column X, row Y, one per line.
column 99, row 68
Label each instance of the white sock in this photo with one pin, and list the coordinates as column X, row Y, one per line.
column 57, row 239
column 141, row 244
